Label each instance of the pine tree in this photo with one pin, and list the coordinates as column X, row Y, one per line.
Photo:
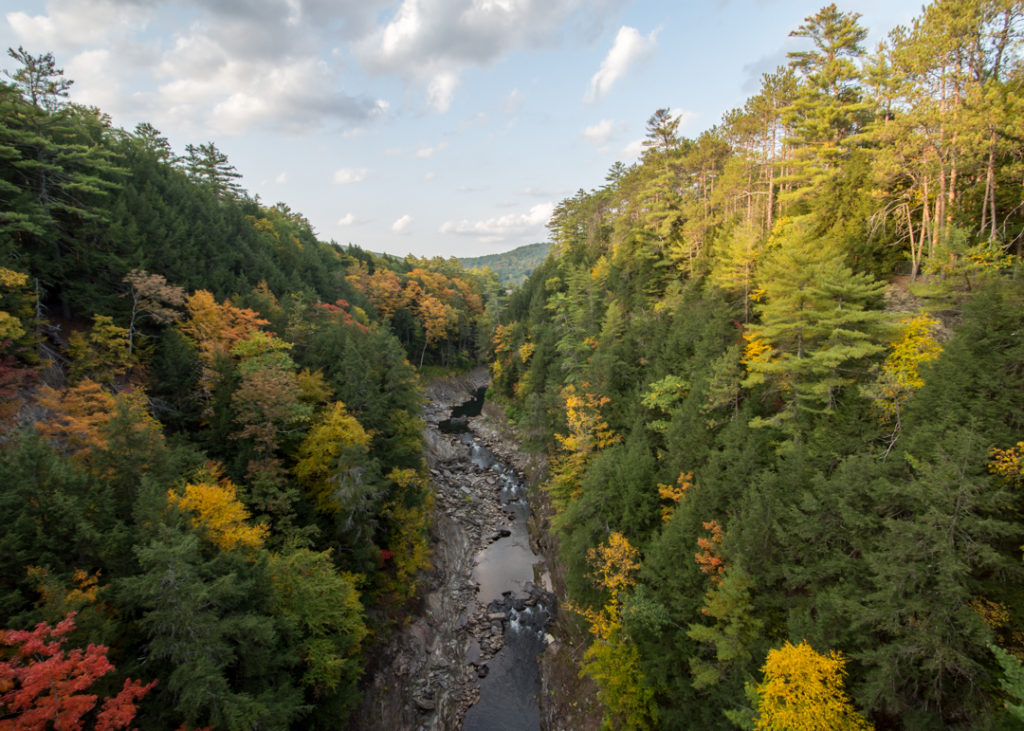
column 816, row 327
column 60, row 167
column 828, row 110
column 209, row 167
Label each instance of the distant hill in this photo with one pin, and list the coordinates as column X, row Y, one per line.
column 512, row 267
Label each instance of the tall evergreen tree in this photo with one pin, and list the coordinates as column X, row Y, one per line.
column 828, row 109
column 60, row 169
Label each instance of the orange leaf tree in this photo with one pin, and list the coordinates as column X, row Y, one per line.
column 84, row 419
column 42, row 683
column 214, row 328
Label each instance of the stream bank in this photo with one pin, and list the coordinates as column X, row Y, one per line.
column 487, row 649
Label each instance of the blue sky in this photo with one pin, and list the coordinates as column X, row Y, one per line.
column 431, row 127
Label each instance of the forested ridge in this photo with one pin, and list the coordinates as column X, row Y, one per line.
column 214, row 497
column 780, row 369
column 512, row 267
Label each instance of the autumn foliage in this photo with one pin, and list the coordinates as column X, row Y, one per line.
column 612, row 659
column 587, row 432
column 674, row 494
column 41, row 683
column 79, row 417
column 915, row 344
column 804, row 690
column 215, row 508
column 710, row 558
column 442, row 301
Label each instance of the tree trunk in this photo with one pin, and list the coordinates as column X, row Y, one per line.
column 990, row 183
column 925, row 223
column 915, row 250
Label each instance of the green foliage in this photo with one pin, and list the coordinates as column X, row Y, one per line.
column 1012, row 681
column 223, row 333
column 324, row 609
column 721, row 283
column 815, row 326
column 751, row 277
column 729, row 642
column 211, row 635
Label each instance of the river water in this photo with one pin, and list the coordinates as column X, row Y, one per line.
column 504, row 573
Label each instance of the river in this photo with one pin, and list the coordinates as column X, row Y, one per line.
column 469, row 659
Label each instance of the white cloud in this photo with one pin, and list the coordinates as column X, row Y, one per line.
column 346, row 176
column 430, row 42
column 513, row 103
column 218, row 67
column 633, row 150
column 402, row 224
column 233, row 94
column 425, row 152
column 95, row 75
column 223, row 67
column 598, row 134
column 629, row 48
column 347, row 220
column 71, row 25
column 441, row 91
column 282, row 177
column 500, row 227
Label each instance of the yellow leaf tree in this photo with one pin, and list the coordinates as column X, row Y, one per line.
column 17, row 336
column 102, row 353
column 15, row 307
column 588, row 433
column 612, row 659
column 915, row 344
column 408, row 543
column 332, row 450
column 215, row 508
column 1008, row 463
column 803, row 691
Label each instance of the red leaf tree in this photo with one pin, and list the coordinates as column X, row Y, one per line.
column 42, row 683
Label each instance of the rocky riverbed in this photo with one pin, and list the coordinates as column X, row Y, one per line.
column 431, row 672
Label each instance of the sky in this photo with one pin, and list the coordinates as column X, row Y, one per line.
column 425, row 127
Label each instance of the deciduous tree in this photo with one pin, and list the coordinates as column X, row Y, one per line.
column 803, row 689
column 41, row 683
